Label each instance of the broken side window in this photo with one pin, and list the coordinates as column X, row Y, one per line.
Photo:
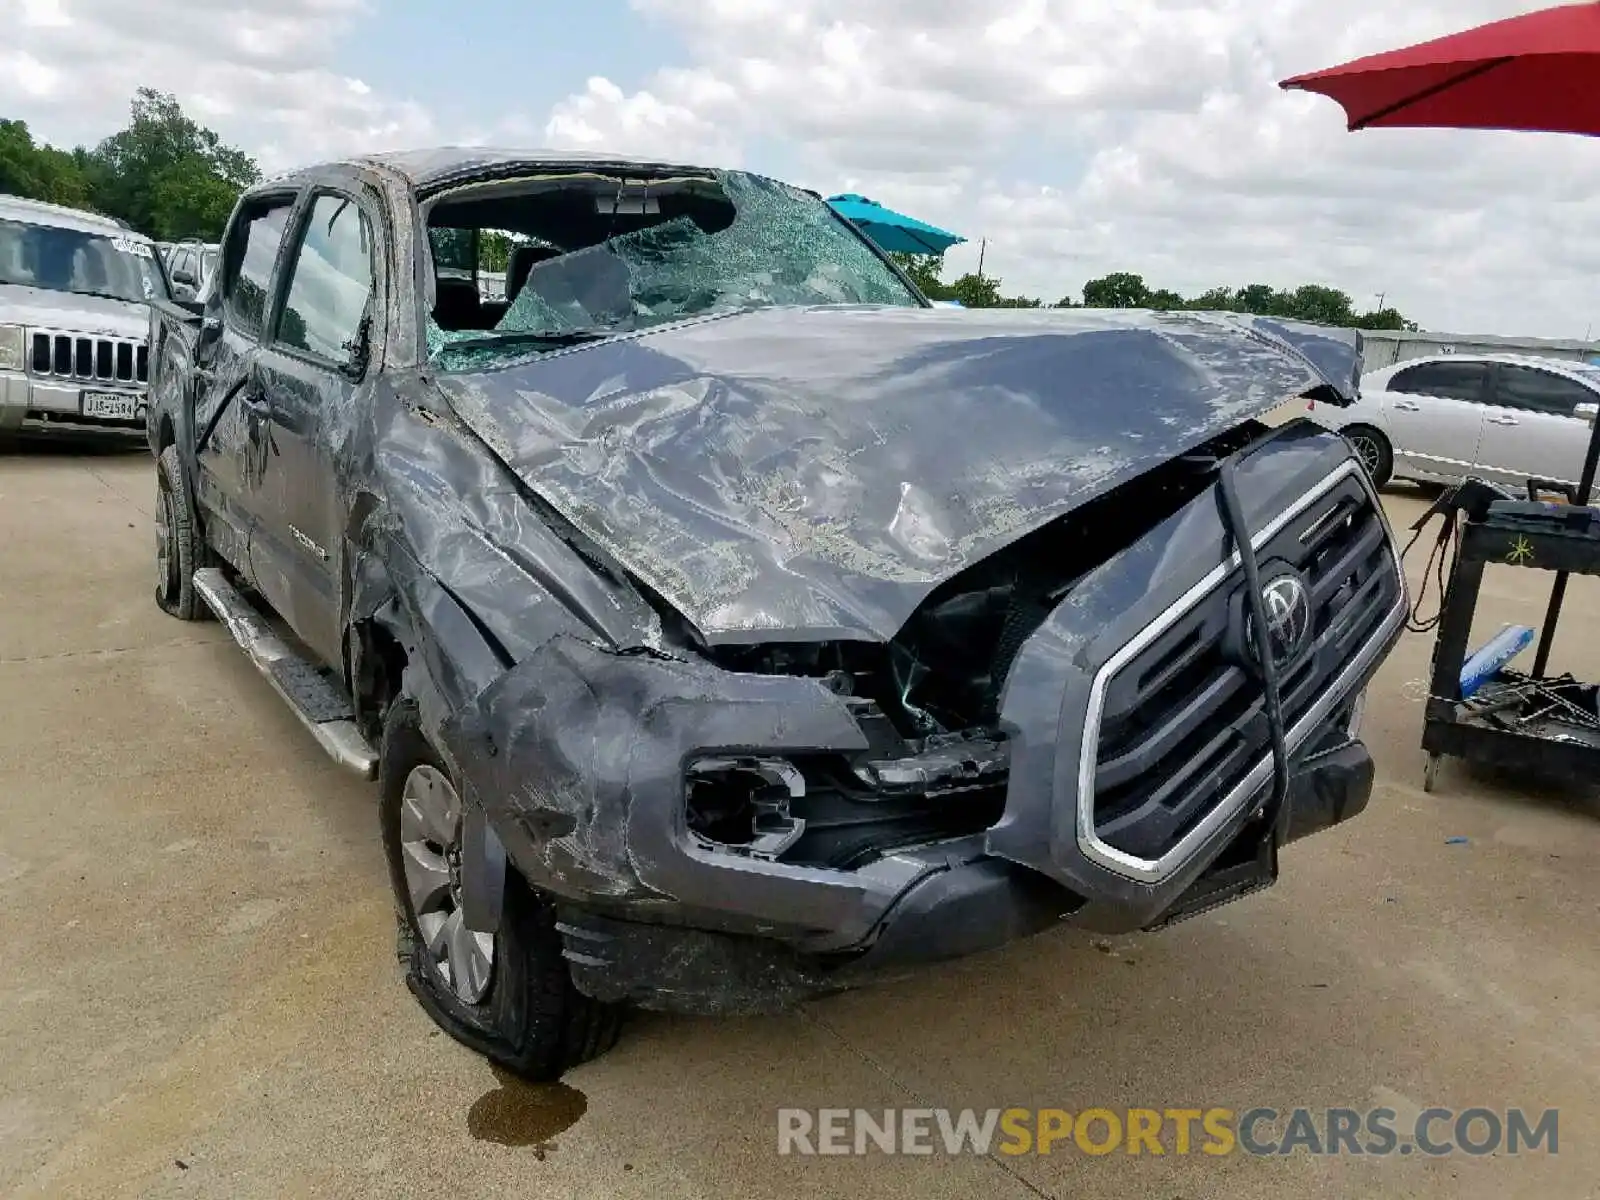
column 454, row 250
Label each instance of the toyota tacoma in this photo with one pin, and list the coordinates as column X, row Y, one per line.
column 726, row 625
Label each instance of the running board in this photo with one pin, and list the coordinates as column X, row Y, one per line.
column 322, row 707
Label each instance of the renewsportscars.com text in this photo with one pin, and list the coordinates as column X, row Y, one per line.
column 1157, row 1131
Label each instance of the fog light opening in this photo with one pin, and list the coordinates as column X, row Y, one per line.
column 742, row 804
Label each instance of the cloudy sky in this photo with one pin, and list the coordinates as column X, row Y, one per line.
column 1077, row 136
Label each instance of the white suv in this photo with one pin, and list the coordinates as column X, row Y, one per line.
column 1504, row 417
column 74, row 320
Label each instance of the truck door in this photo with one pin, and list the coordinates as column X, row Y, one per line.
column 308, row 373
column 230, row 445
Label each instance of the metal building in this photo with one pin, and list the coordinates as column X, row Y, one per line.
column 1386, row 347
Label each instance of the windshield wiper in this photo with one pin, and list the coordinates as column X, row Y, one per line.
column 110, row 296
column 554, row 338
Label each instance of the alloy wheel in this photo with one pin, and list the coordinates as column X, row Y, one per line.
column 1368, row 451
column 430, row 845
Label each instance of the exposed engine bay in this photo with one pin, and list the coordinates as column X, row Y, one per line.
column 928, row 699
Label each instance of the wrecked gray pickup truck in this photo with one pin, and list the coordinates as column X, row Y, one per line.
column 724, row 624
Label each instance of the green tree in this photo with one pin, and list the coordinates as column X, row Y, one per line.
column 976, row 291
column 39, row 172
column 1384, row 318
column 925, row 271
column 494, row 250
column 1217, row 299
column 1312, row 302
column 165, row 173
column 970, row 291
column 1326, row 305
column 1118, row 290
column 1258, row 298
column 189, row 201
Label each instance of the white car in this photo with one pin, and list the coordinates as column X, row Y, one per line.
column 1502, row 417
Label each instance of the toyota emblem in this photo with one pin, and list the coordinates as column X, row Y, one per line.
column 1288, row 611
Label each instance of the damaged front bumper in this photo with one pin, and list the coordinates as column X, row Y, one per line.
column 969, row 903
column 1135, row 768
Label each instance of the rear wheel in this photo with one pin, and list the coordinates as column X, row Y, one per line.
column 507, row 995
column 1374, row 451
column 179, row 550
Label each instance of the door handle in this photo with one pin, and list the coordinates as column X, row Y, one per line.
column 1502, row 420
column 1408, row 406
column 254, row 405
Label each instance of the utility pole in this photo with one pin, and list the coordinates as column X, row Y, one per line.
column 983, row 247
column 1381, row 297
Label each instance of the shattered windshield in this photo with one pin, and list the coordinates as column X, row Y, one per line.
column 85, row 264
column 719, row 244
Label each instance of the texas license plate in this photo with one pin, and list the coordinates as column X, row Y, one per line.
column 118, row 406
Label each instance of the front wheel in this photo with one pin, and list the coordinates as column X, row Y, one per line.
column 507, row 995
column 179, row 550
column 1374, row 451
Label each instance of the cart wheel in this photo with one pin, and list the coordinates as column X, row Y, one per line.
column 1430, row 773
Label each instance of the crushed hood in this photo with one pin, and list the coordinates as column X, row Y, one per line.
column 1338, row 353
column 44, row 308
column 800, row 474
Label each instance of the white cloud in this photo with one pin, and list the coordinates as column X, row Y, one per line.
column 1084, row 136
column 259, row 71
column 602, row 117
column 1077, row 136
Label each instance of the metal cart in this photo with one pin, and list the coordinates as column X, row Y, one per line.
column 1549, row 725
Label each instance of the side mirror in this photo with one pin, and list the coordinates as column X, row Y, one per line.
column 1587, row 413
column 183, row 277
column 205, row 342
column 210, row 332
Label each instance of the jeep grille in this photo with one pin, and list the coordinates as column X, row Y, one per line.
column 87, row 359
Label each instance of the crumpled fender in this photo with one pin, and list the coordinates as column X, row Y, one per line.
column 578, row 755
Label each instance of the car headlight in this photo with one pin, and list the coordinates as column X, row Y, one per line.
column 11, row 348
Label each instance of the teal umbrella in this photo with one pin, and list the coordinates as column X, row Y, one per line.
column 892, row 231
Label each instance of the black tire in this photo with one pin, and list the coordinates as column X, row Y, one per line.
column 531, row 1020
column 1374, row 451
column 179, row 549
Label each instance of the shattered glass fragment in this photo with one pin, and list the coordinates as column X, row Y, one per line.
column 782, row 246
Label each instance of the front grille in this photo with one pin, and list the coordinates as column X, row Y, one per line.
column 1184, row 722
column 85, row 359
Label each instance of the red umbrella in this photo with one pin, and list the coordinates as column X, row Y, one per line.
column 1536, row 72
column 1540, row 71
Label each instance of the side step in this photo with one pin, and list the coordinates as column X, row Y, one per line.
column 321, row 706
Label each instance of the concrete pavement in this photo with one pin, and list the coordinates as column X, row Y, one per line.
column 200, row 996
